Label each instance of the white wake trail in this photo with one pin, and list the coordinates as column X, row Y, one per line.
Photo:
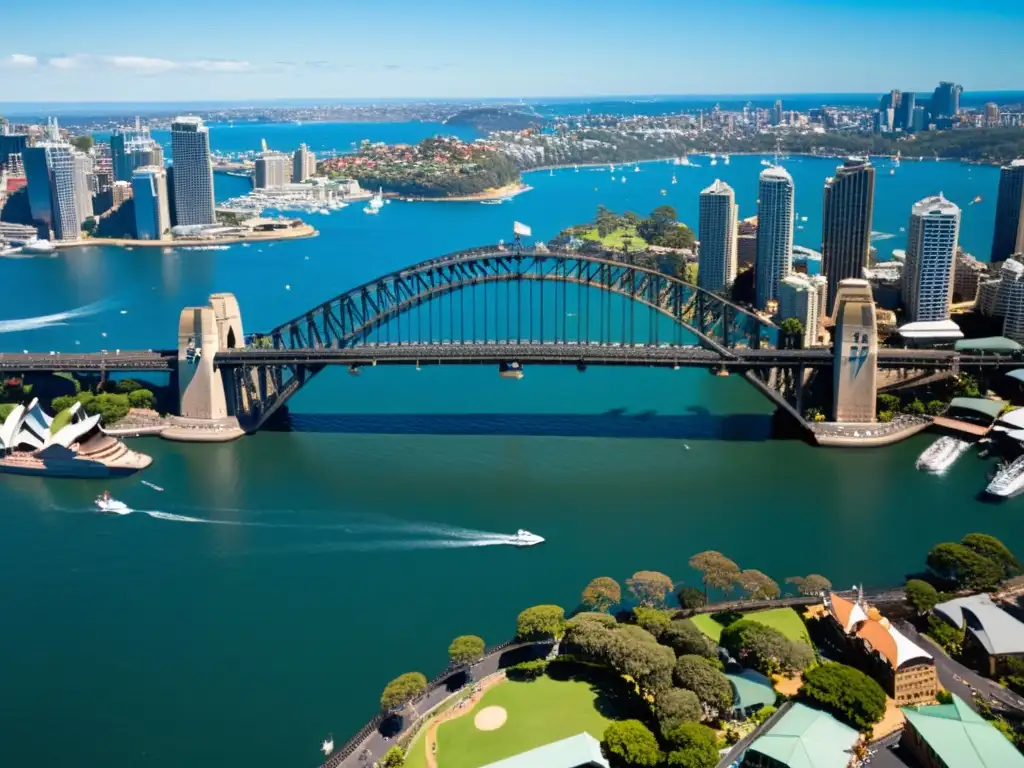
column 58, row 318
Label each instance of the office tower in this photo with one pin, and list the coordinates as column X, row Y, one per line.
column 121, row 191
column 931, row 251
column 11, row 144
column 1009, row 231
column 193, row 173
column 1012, row 294
column 992, row 113
column 848, row 203
column 303, row 164
column 58, row 190
column 146, row 154
column 876, row 121
column 801, row 297
column 152, row 207
column 890, row 119
column 777, row 113
column 946, row 100
column 774, row 233
column 718, row 232
column 905, row 112
column 919, row 120
column 891, row 100
column 273, row 169
column 967, row 275
column 84, row 185
column 40, row 194
column 132, row 148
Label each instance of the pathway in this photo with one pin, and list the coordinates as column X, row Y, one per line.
column 464, row 707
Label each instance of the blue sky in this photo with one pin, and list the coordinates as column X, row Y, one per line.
column 251, row 49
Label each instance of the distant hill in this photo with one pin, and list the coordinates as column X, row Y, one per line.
column 486, row 119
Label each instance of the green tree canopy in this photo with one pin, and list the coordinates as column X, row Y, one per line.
column 691, row 598
column 637, row 633
column 649, row 587
column 847, row 693
column 649, row 664
column 920, row 594
column 653, row 620
column 765, row 648
column 466, row 649
column 995, row 550
column 142, row 398
column 692, row 745
column 675, row 706
column 716, row 569
column 629, row 743
column 950, row 638
column 698, row 674
column 82, row 143
column 402, row 690
column 757, row 585
column 810, row 585
column 685, row 638
column 541, row 622
column 395, row 758
column 664, row 214
column 590, row 617
column 793, row 330
column 964, row 566
column 601, row 593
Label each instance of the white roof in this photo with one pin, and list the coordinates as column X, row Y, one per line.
column 11, row 426
column 73, row 431
column 1014, row 418
column 937, row 205
column 906, row 649
column 934, row 329
column 776, row 173
column 718, row 187
column 1016, row 434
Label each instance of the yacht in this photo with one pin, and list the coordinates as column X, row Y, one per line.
column 714, row 161
column 38, row 246
column 376, row 203
column 636, row 169
column 1009, row 480
column 526, row 539
column 725, row 159
column 328, row 746
column 111, row 506
column 941, row 454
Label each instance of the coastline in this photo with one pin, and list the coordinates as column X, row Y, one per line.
column 296, row 233
column 497, row 193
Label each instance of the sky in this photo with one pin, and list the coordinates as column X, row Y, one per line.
column 185, row 50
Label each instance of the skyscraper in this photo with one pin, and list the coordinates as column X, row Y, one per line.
column 774, row 233
column 718, row 231
column 40, row 192
column 992, row 113
column 847, row 207
column 946, row 100
column 193, row 173
column 83, row 185
column 152, row 207
column 303, row 164
column 905, row 113
column 273, row 169
column 1009, row 232
column 58, row 190
column 800, row 297
column 132, row 148
column 919, row 119
column 777, row 113
column 927, row 286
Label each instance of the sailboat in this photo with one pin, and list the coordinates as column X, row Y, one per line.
column 376, row 202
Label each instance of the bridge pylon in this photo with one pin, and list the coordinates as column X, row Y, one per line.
column 202, row 333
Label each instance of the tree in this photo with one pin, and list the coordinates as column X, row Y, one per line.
column 653, row 620
column 63, row 402
column 601, row 593
column 693, row 746
column 541, row 622
column 765, row 648
column 966, row 386
column 402, row 690
column 142, row 398
column 630, row 743
column 649, row 664
column 395, row 758
column 920, row 594
column 82, row 143
column 935, row 407
column 810, row 585
column 649, row 587
column 639, row 634
column 587, row 639
column 89, row 225
column 631, row 217
column 716, row 569
column 697, row 674
column 915, row 407
column 466, row 649
column 793, row 332
column 950, row 638
column 963, row 566
column 664, row 215
column 674, row 706
column 589, row 617
column 691, row 598
column 846, row 692
column 995, row 550
column 888, row 402
column 757, row 585
column 686, row 639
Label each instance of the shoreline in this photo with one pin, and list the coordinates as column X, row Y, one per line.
column 497, row 193
column 297, row 233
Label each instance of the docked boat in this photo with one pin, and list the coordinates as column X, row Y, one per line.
column 38, row 246
column 942, row 454
column 111, row 506
column 526, row 539
column 376, row 203
column 1009, row 480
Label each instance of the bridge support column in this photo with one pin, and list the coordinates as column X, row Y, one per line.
column 202, row 333
column 855, row 351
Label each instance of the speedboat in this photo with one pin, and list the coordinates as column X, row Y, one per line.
column 526, row 539
column 328, row 746
column 111, row 506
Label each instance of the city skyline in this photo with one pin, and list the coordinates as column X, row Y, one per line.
column 448, row 50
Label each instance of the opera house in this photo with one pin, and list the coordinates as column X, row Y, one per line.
column 79, row 449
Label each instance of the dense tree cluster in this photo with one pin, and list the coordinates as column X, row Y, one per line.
column 683, row 637
column 625, row 648
column 847, row 693
column 810, row 585
column 978, row 562
column 631, row 743
column 692, row 745
column 541, row 622
column 765, row 648
column 706, row 680
column 675, row 706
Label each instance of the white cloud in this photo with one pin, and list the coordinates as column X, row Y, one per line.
column 221, row 65
column 66, row 62
column 141, row 63
column 23, row 60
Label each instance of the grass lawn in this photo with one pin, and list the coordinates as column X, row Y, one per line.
column 617, row 240
column 539, row 712
column 786, row 620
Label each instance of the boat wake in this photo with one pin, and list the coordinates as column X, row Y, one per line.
column 59, row 318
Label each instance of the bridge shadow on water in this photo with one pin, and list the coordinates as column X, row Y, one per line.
column 696, row 424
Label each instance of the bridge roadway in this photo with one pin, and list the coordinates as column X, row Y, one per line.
column 493, row 353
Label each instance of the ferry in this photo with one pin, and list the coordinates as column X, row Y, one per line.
column 1009, row 480
column 111, row 506
column 942, row 454
column 526, row 539
column 38, row 246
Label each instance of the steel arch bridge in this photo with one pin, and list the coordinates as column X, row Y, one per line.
column 505, row 296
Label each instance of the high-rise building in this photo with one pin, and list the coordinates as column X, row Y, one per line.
column 891, row 100
column 273, row 169
column 718, row 228
column 774, row 233
column 11, row 144
column 855, row 354
column 876, row 121
column 1009, row 231
column 132, row 148
column 84, row 185
column 847, row 207
column 193, row 172
column 919, row 120
column 992, row 113
column 303, row 164
column 1012, row 286
column 58, row 190
column 120, row 191
column 967, row 275
column 40, row 186
column 946, row 100
column 801, row 297
column 931, row 252
column 905, row 112
column 777, row 113
column 152, row 208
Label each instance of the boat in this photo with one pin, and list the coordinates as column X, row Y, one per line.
column 38, row 246
column 623, row 179
column 725, row 159
column 636, row 169
column 674, row 179
column 713, row 160
column 526, row 539
column 328, row 746
column 376, row 202
column 111, row 506
column 941, row 455
column 1009, row 480
column 892, row 171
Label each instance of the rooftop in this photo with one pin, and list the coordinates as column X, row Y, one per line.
column 988, row 344
column 960, row 737
column 981, row 405
column 935, row 329
column 808, row 738
column 718, row 187
column 751, row 689
column 936, row 205
column 776, row 173
column 574, row 752
column 996, row 630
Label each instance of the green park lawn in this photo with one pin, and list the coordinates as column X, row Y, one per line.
column 786, row 620
column 618, row 239
column 539, row 712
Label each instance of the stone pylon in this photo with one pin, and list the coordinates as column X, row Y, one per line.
column 855, row 351
column 202, row 332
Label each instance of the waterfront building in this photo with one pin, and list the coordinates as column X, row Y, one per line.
column 802, row 737
column 946, row 100
column 193, row 172
column 40, row 187
column 718, row 228
column 579, row 751
column 1009, row 232
column 272, row 170
column 855, row 354
column 303, row 164
column 152, row 206
column 847, row 208
column 992, row 636
column 948, row 735
column 132, row 148
column 121, row 191
column 931, row 249
column 967, row 276
column 870, row 642
column 803, row 297
column 774, row 233
column 58, row 191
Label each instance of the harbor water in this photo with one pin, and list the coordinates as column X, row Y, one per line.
column 265, row 596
